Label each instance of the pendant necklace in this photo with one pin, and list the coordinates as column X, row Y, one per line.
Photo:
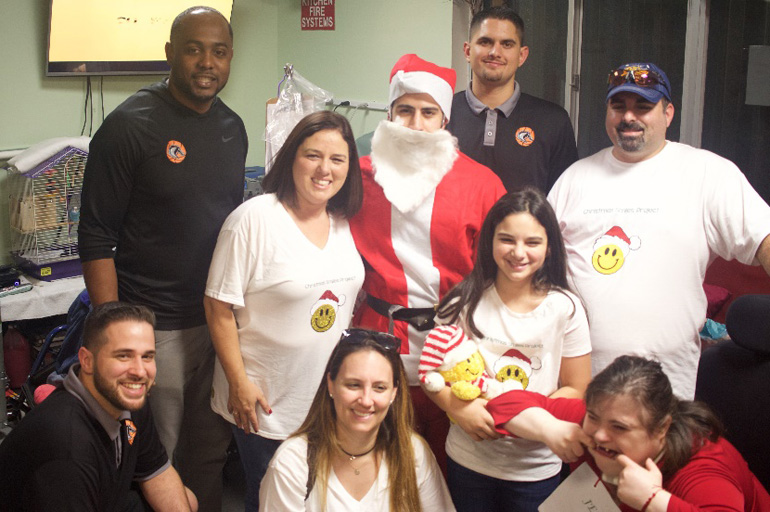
column 352, row 457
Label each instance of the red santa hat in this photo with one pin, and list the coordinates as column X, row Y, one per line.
column 516, row 358
column 445, row 346
column 413, row 75
column 616, row 236
column 329, row 298
column 328, row 295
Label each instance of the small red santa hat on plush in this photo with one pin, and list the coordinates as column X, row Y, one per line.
column 413, row 75
column 445, row 346
column 616, row 236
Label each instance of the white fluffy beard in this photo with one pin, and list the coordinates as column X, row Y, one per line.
column 410, row 164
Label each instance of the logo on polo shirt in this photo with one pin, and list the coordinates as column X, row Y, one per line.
column 525, row 136
column 130, row 431
column 175, row 151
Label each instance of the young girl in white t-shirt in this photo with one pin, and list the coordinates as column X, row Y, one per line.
column 531, row 330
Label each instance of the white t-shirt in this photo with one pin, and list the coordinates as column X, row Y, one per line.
column 291, row 302
column 285, row 484
column 678, row 210
column 529, row 346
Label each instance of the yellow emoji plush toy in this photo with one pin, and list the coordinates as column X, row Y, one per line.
column 449, row 357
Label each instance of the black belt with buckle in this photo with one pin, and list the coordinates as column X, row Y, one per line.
column 419, row 318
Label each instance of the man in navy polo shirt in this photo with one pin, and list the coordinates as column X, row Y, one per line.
column 525, row 140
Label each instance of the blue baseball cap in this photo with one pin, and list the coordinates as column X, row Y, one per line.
column 628, row 77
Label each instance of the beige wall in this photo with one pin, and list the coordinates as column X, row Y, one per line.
column 353, row 62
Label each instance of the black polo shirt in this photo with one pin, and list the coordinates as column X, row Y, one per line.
column 64, row 455
column 525, row 141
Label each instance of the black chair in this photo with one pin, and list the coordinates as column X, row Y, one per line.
column 734, row 379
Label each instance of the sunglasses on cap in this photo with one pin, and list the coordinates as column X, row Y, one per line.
column 359, row 336
column 641, row 76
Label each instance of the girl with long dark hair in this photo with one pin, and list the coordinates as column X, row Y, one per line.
column 531, row 330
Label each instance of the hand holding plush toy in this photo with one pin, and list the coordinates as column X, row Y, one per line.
column 450, row 357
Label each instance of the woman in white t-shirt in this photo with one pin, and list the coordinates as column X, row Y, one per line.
column 356, row 450
column 281, row 288
column 532, row 332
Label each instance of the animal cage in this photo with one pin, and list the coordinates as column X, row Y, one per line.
column 44, row 207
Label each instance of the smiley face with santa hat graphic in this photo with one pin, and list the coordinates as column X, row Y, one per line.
column 611, row 250
column 324, row 311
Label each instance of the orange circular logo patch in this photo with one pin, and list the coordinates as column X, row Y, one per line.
column 525, row 136
column 175, row 151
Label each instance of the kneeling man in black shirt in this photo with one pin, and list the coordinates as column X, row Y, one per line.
column 82, row 448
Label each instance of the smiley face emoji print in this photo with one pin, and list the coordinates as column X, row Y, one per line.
column 324, row 311
column 611, row 250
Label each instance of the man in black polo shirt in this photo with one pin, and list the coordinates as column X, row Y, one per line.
column 82, row 448
column 164, row 170
column 525, row 140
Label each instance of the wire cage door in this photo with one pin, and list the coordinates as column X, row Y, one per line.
column 44, row 207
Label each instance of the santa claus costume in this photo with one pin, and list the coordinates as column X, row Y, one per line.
column 424, row 203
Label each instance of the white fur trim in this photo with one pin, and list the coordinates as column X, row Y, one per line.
column 434, row 382
column 603, row 240
column 505, row 361
column 335, row 305
column 611, row 240
column 463, row 351
column 410, row 164
column 417, row 82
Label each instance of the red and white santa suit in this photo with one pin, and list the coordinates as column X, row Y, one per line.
column 417, row 229
column 424, row 203
column 418, row 239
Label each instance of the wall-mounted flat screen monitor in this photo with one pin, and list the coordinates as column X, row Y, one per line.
column 114, row 37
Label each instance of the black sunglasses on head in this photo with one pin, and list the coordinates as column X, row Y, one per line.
column 357, row 336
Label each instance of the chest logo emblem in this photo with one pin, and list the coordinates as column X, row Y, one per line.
column 525, row 136
column 130, row 431
column 175, row 151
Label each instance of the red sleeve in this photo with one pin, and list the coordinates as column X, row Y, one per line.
column 708, row 493
column 510, row 404
column 713, row 480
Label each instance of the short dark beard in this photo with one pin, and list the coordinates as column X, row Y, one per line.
column 112, row 395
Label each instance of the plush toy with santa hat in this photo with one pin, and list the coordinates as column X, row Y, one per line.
column 450, row 358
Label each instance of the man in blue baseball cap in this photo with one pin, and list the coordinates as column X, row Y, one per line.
column 636, row 96
column 643, row 219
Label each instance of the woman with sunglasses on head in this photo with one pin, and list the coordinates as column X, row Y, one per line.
column 653, row 451
column 356, row 449
column 281, row 288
